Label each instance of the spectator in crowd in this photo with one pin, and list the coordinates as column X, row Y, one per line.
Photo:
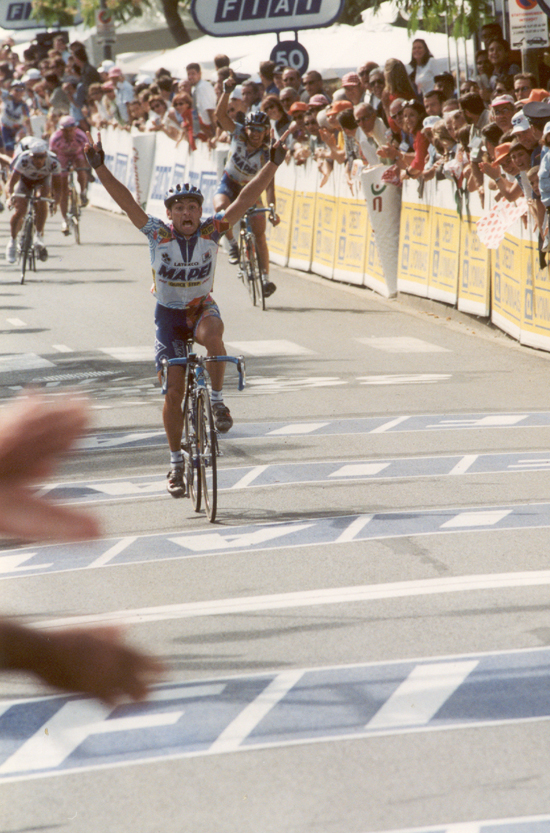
column 59, row 44
column 104, row 68
column 57, row 98
column 469, row 86
column 413, row 163
column 422, row 66
column 375, row 87
column 15, row 117
column 544, row 178
column 165, row 87
column 491, row 134
column 317, row 102
column 313, row 85
column 287, row 97
column 527, row 134
column 182, row 114
column 398, row 85
column 279, row 118
column 433, row 102
column 475, row 113
column 291, row 78
column 88, row 73
column 204, row 102
column 252, row 96
column 124, row 92
column 446, row 84
column 524, row 82
column 352, row 89
column 503, row 109
column 498, row 53
column 278, row 77
column 503, row 172
column 313, row 132
column 484, row 70
column 161, row 119
column 266, row 71
column 297, row 129
column 372, row 131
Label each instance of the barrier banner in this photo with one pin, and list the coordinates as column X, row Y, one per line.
column 474, row 287
column 303, row 221
column 506, row 301
column 326, row 212
column 445, row 242
column 143, row 145
column 384, row 211
column 351, row 223
column 535, row 328
column 169, row 168
column 414, row 241
column 119, row 154
column 201, row 172
column 278, row 237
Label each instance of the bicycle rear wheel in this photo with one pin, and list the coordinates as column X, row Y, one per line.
column 190, row 456
column 27, row 251
column 74, row 214
column 256, row 276
column 207, row 443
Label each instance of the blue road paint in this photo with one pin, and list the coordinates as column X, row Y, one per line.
column 281, row 535
column 62, row 735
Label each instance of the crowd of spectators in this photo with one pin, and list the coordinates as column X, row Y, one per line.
column 417, row 122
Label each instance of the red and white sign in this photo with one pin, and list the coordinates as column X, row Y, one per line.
column 528, row 25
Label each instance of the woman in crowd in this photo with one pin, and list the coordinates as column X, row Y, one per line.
column 422, row 67
column 398, row 85
column 502, row 69
column 277, row 114
column 181, row 113
column 413, row 163
column 160, row 118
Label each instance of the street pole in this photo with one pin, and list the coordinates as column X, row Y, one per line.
column 104, row 36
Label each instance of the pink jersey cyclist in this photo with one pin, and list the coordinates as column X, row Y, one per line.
column 68, row 144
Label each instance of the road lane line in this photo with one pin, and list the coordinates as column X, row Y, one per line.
column 119, row 547
column 354, row 529
column 249, row 478
column 308, row 598
column 463, row 465
column 391, row 424
column 421, row 695
column 239, row 729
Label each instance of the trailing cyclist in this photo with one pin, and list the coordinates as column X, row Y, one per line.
column 183, row 255
column 68, row 144
column 37, row 171
column 248, row 152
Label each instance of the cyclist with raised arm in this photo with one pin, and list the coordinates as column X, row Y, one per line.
column 37, row 171
column 183, row 255
column 248, row 151
column 68, row 143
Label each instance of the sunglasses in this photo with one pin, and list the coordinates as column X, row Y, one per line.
column 378, row 83
column 397, row 114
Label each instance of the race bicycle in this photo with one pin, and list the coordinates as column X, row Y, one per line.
column 200, row 439
column 74, row 205
column 27, row 251
column 249, row 264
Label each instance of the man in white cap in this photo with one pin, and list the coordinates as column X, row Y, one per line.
column 352, row 89
column 503, row 110
column 124, row 92
column 104, row 68
column 525, row 134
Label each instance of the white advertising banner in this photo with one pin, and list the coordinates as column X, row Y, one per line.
column 384, row 207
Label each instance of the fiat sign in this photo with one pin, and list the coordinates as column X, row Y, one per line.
column 222, row 18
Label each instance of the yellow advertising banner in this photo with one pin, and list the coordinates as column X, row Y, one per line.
column 326, row 213
column 535, row 327
column 506, row 300
column 279, row 236
column 303, row 221
column 474, row 279
column 351, row 240
column 445, row 246
column 375, row 277
column 414, row 245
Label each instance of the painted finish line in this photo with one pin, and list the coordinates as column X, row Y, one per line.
column 62, row 735
column 250, row 538
column 523, row 824
column 342, row 471
column 367, row 425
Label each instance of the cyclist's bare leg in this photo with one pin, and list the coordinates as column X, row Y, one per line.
column 209, row 334
column 16, row 220
column 82, row 177
column 64, row 196
column 258, row 227
column 171, row 413
column 41, row 211
column 221, row 202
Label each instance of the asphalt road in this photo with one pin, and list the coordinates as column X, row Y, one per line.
column 362, row 640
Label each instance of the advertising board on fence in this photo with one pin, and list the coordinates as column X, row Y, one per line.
column 506, row 300
column 414, row 242
column 303, row 223
column 326, row 213
column 535, row 328
column 445, row 242
column 474, row 273
column 350, row 237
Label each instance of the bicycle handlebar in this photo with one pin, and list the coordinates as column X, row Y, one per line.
column 269, row 210
column 194, row 360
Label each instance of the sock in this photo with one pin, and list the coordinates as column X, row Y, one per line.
column 216, row 396
column 176, row 457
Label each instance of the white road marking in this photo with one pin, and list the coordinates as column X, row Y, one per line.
column 119, row 547
column 421, row 695
column 467, row 519
column 22, row 361
column 280, row 347
column 402, row 344
column 16, row 322
column 249, row 478
column 463, row 465
column 530, row 464
column 309, row 598
column 354, row 529
column 404, row 379
column 239, row 729
column 493, row 419
column 388, row 425
column 129, row 354
column 298, row 428
column 12, row 563
column 359, row 469
column 62, row 348
column 70, row 727
column 219, row 541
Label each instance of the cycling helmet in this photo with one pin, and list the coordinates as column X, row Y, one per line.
column 39, row 147
column 179, row 192
column 257, row 119
column 67, row 121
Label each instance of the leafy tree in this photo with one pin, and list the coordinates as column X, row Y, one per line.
column 464, row 16
column 64, row 12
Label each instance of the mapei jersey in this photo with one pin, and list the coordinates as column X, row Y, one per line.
column 242, row 164
column 183, row 268
column 24, row 165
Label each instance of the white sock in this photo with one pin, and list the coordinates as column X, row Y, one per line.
column 176, row 457
column 216, row 396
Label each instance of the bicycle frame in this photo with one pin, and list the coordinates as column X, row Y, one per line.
column 200, row 438
column 250, row 271
column 26, row 250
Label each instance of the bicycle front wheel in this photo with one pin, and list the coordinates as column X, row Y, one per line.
column 190, row 457
column 207, row 443
column 27, row 251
